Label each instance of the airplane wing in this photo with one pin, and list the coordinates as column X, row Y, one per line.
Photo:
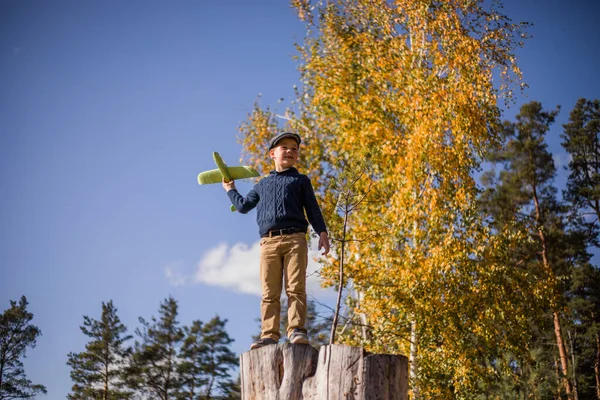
column 215, row 176
column 242, row 172
column 212, row 176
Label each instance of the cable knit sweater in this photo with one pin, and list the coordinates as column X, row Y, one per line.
column 280, row 200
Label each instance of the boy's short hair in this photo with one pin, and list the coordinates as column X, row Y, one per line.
column 282, row 136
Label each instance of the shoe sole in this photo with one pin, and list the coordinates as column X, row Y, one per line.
column 255, row 346
column 300, row 340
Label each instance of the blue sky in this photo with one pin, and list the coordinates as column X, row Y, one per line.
column 109, row 110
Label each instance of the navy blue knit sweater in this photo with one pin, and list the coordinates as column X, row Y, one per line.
column 280, row 200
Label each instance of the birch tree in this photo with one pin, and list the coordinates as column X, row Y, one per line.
column 406, row 87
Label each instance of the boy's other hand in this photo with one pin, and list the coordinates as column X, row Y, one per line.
column 228, row 185
column 324, row 243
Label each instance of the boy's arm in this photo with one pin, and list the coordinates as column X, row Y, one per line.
column 313, row 211
column 315, row 217
column 243, row 205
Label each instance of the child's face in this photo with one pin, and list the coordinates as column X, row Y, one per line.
column 285, row 154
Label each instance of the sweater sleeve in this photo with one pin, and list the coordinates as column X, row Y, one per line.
column 243, row 205
column 313, row 211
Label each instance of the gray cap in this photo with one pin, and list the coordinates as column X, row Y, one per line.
column 284, row 135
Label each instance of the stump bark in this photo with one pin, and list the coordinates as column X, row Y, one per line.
column 292, row 371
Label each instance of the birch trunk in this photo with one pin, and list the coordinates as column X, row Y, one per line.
column 413, row 359
column 363, row 318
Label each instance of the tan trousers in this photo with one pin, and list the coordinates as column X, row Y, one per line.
column 283, row 258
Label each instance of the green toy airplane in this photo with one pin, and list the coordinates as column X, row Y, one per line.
column 224, row 172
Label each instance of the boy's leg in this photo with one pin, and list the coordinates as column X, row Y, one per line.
column 295, row 261
column 271, row 273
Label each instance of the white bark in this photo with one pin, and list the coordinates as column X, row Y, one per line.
column 413, row 358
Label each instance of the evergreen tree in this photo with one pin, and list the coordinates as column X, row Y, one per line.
column 98, row 371
column 153, row 370
column 317, row 324
column 581, row 138
column 193, row 358
column 206, row 362
column 524, row 193
column 584, row 329
column 233, row 390
column 220, row 359
column 16, row 335
column 521, row 379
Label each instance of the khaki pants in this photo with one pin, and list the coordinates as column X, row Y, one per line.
column 283, row 258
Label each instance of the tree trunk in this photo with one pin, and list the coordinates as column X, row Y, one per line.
column 597, row 366
column 106, row 378
column 290, row 372
column 573, row 366
column 413, row 359
column 341, row 282
column 363, row 318
column 562, row 352
column 562, row 355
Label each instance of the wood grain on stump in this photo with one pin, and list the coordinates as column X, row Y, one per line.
column 289, row 372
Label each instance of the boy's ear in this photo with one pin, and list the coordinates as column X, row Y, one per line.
column 272, row 153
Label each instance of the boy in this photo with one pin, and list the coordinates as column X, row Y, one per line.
column 281, row 199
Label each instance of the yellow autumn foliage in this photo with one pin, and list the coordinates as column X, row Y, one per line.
column 405, row 90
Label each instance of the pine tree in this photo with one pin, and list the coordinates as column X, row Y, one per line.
column 584, row 329
column 581, row 139
column 525, row 193
column 154, row 362
column 16, row 335
column 233, row 391
column 318, row 324
column 521, row 379
column 98, row 371
column 220, row 359
column 207, row 361
column 193, row 358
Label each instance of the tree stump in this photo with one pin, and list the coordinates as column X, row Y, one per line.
column 293, row 371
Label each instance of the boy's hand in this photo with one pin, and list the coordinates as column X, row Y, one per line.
column 228, row 185
column 324, row 243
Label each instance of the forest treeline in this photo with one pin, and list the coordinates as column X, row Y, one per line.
column 160, row 359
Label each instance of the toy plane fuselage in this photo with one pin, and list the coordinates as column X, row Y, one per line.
column 225, row 173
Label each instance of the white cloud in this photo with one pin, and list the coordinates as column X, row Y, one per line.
column 237, row 268
column 173, row 274
column 234, row 268
column 561, row 160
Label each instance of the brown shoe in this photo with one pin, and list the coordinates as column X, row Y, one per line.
column 262, row 342
column 298, row 337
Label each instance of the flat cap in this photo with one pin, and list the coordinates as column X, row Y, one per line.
column 282, row 136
